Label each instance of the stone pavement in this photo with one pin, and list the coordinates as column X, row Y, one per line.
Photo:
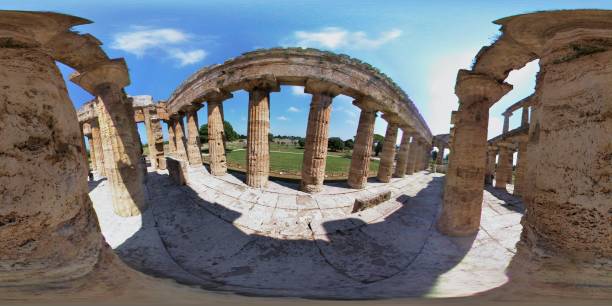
column 219, row 234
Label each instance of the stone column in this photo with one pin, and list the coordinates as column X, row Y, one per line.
column 48, row 229
column 150, row 138
column 97, row 146
column 362, row 150
column 519, row 179
column 158, row 141
column 387, row 156
column 440, row 156
column 92, row 153
column 463, row 190
column 317, row 133
column 216, row 135
column 506, row 122
column 402, row 156
column 413, row 152
column 194, row 148
column 503, row 173
column 258, row 149
column 179, row 138
column 122, row 150
column 525, row 116
column 171, row 137
column 490, row 168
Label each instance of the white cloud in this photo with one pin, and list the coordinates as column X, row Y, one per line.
column 282, row 118
column 293, row 109
column 336, row 38
column 143, row 40
column 298, row 91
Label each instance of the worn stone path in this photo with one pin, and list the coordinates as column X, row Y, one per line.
column 197, row 235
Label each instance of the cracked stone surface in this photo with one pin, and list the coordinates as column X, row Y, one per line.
column 219, row 234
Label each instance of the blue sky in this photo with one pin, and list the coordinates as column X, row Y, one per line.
column 419, row 44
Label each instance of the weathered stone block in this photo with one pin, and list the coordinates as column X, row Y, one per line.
column 177, row 170
column 363, row 204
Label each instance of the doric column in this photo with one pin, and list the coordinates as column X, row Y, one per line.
column 216, row 134
column 387, row 156
column 525, row 116
column 171, row 137
column 402, row 155
column 503, row 173
column 317, row 133
column 97, row 146
column 122, row 150
column 150, row 137
column 463, row 190
column 48, row 229
column 179, row 138
column 194, row 148
column 84, row 150
column 519, row 179
column 490, row 167
column 362, row 149
column 506, row 122
column 92, row 153
column 440, row 156
column 158, row 140
column 258, row 152
column 413, row 152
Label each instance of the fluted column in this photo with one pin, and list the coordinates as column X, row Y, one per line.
column 121, row 142
column 48, row 229
column 216, row 137
column 413, row 153
column 440, row 156
column 171, row 137
column 463, row 190
column 525, row 116
column 362, row 150
column 503, row 173
column 150, row 138
column 521, row 161
column 317, row 133
column 506, row 122
column 158, row 142
column 97, row 146
column 84, row 148
column 92, row 153
column 387, row 156
column 490, row 167
column 179, row 138
column 402, row 156
column 194, row 151
column 258, row 149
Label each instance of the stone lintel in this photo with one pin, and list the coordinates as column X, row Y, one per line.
column 366, row 103
column 391, row 118
column 322, row 87
column 473, row 87
column 114, row 71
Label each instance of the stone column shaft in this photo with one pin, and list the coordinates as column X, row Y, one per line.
column 258, row 149
column 402, row 156
column 92, row 153
column 216, row 138
column 158, row 143
column 413, row 153
column 506, row 123
column 315, row 149
column 193, row 144
column 503, row 173
column 171, row 137
column 179, row 139
column 519, row 179
column 97, row 147
column 362, row 149
column 150, row 138
column 490, row 167
column 440, row 156
column 525, row 116
column 387, row 156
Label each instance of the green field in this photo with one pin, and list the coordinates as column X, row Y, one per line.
column 291, row 161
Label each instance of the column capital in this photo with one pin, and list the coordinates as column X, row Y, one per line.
column 215, row 95
column 366, row 104
column 391, row 118
column 113, row 71
column 191, row 108
column 266, row 82
column 322, row 87
column 474, row 87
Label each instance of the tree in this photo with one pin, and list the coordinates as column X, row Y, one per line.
column 335, row 144
column 301, row 142
column 434, row 155
column 270, row 137
column 379, row 138
column 378, row 148
column 228, row 130
column 349, row 144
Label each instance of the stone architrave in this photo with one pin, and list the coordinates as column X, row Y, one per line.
column 387, row 156
column 194, row 151
column 362, row 149
column 121, row 142
column 258, row 148
column 317, row 133
column 463, row 190
column 402, row 156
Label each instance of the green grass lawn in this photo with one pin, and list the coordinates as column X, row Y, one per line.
column 291, row 161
